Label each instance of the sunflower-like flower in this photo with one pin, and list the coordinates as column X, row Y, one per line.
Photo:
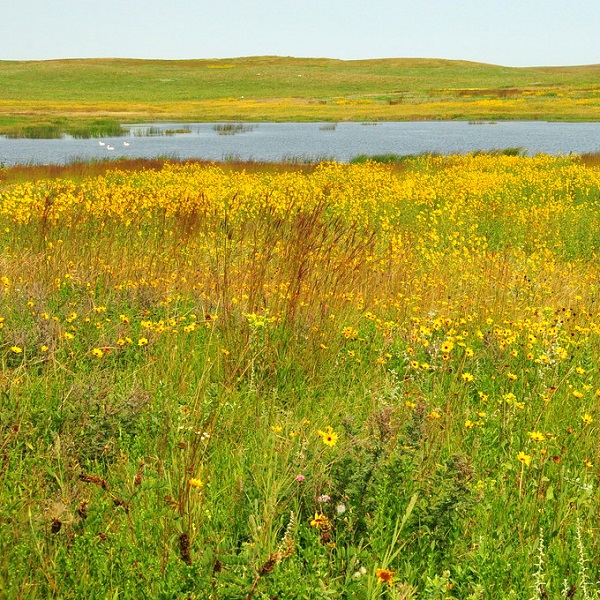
column 329, row 436
column 385, row 576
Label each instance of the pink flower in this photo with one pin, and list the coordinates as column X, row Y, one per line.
column 300, row 478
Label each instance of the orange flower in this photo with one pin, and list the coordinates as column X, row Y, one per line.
column 385, row 576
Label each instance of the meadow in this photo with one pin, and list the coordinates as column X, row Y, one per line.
column 331, row 381
column 92, row 97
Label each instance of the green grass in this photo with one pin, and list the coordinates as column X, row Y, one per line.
column 257, row 382
column 275, row 88
column 148, row 81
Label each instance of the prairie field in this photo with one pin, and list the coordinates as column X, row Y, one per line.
column 337, row 381
column 92, row 97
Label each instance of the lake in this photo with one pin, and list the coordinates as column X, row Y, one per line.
column 307, row 141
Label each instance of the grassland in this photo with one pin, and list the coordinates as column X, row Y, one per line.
column 82, row 96
column 342, row 381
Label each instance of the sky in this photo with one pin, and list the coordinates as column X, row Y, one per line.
column 513, row 33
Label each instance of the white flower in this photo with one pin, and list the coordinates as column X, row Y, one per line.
column 362, row 571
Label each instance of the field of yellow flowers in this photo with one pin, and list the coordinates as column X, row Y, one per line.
column 348, row 381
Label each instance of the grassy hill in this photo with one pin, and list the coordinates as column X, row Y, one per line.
column 78, row 93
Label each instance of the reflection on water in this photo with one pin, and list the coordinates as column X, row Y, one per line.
column 307, row 141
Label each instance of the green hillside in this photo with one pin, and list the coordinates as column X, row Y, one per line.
column 64, row 92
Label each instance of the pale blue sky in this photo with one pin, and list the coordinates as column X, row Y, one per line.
column 505, row 32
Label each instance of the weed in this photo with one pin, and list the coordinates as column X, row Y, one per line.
column 232, row 128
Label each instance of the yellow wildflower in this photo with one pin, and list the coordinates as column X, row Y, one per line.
column 524, row 458
column 447, row 346
column 350, row 333
column 329, row 436
column 320, row 521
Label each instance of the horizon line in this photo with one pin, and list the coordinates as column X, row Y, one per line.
column 307, row 58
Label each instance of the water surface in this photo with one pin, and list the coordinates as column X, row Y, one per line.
column 308, row 141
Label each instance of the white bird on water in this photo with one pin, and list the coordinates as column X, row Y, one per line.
column 101, row 144
column 110, row 147
column 125, row 143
